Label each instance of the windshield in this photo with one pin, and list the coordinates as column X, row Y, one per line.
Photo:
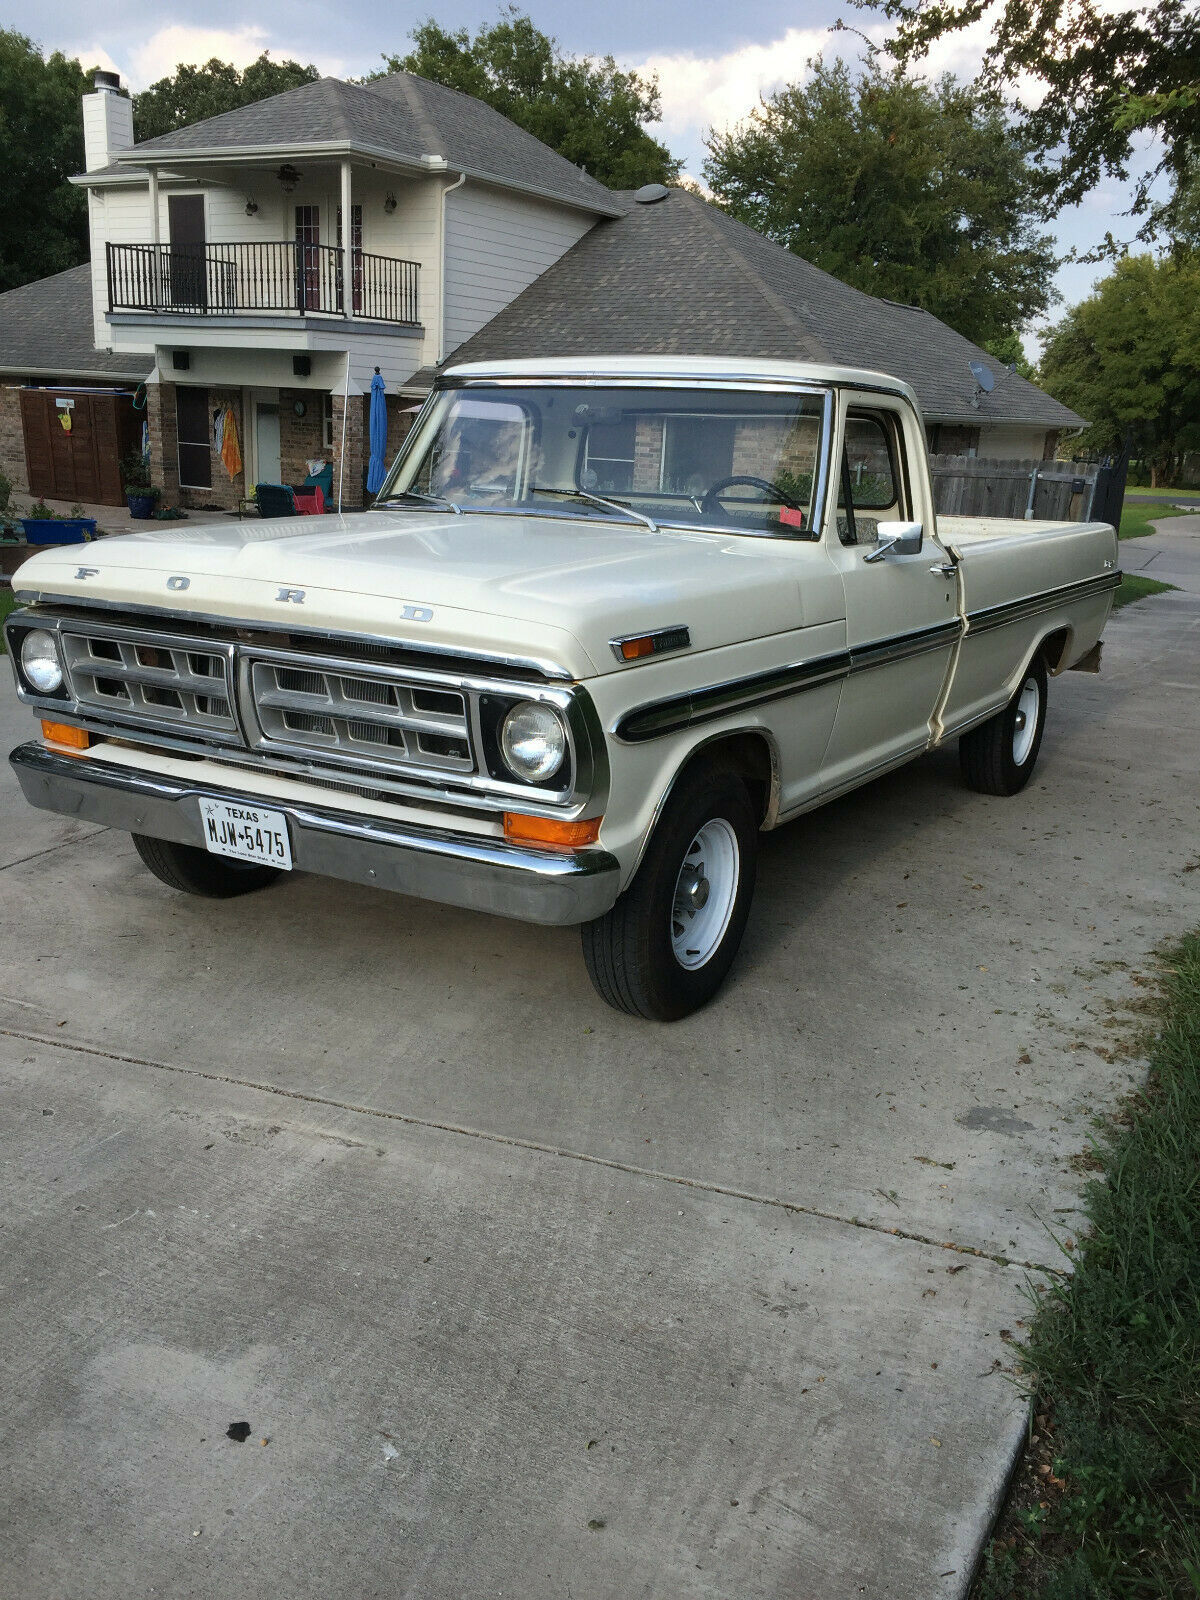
column 743, row 460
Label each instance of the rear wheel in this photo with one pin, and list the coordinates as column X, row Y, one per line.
column 665, row 947
column 182, row 866
column 999, row 756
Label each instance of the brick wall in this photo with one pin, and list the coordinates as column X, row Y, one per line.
column 225, row 491
column 647, row 453
column 12, row 441
column 161, row 418
column 162, row 426
column 299, row 437
column 356, row 449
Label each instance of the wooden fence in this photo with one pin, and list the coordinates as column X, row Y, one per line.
column 1054, row 491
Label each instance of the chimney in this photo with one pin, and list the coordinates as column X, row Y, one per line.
column 107, row 122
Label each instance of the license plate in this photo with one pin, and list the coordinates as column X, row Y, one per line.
column 247, row 833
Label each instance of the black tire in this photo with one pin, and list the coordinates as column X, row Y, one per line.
column 182, row 866
column 630, row 953
column 988, row 754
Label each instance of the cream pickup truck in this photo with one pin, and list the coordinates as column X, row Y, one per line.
column 607, row 621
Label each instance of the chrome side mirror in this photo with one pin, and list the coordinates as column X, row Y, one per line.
column 899, row 538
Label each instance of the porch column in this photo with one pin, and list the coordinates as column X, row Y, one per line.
column 156, row 253
column 347, row 250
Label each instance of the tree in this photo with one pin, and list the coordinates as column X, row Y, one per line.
column 41, row 145
column 1102, row 72
column 1009, row 349
column 191, row 94
column 918, row 192
column 590, row 111
column 1128, row 359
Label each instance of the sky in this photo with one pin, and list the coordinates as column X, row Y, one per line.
column 713, row 60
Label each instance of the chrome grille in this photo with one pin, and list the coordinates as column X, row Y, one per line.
column 180, row 684
column 354, row 714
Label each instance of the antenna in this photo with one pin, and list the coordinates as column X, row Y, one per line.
column 984, row 376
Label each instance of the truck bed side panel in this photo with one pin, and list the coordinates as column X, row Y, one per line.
column 1021, row 582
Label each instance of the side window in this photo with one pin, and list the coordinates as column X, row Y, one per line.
column 869, row 487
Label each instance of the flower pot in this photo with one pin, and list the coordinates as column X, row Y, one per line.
column 140, row 505
column 58, row 530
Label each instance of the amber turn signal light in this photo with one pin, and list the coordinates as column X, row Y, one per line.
column 550, row 831
column 63, row 735
column 634, row 649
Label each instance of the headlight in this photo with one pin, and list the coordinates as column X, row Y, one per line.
column 40, row 663
column 533, row 741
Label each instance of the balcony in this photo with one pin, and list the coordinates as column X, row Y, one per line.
column 278, row 277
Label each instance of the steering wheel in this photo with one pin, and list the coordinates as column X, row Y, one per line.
column 711, row 504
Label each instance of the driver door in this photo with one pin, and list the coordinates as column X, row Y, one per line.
column 901, row 610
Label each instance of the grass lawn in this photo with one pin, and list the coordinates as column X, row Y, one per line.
column 1106, row 1503
column 1136, row 517
column 1134, row 588
column 7, row 604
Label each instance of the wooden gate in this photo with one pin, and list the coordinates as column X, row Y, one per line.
column 82, row 466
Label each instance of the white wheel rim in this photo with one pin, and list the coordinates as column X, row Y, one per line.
column 705, row 892
column 1025, row 724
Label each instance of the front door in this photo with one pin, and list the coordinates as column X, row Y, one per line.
column 901, row 611
column 308, row 258
column 185, row 221
column 266, row 443
column 356, row 255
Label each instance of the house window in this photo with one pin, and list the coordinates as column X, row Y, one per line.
column 192, row 432
column 608, row 456
column 327, row 422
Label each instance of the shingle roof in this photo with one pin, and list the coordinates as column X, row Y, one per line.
column 46, row 330
column 406, row 116
column 680, row 277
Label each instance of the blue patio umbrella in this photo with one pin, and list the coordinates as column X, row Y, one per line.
column 377, row 468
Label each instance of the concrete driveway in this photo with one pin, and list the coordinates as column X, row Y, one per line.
column 531, row 1299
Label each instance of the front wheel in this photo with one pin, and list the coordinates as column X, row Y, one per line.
column 664, row 949
column 183, row 866
column 998, row 757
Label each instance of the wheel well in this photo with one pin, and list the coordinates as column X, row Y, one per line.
column 752, row 757
column 1053, row 649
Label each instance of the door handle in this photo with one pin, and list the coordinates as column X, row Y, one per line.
column 944, row 569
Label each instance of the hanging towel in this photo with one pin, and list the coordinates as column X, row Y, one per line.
column 231, row 453
column 218, row 430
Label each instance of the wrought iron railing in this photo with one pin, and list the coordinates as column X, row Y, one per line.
column 281, row 276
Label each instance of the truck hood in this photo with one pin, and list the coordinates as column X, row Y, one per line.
column 549, row 589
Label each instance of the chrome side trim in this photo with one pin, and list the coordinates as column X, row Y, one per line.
column 703, row 705
column 433, row 863
column 1017, row 610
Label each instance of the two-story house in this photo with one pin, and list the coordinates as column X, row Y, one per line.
column 266, row 262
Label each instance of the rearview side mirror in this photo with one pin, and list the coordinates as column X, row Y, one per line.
column 897, row 538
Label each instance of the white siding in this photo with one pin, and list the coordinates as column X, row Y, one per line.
column 1011, row 442
column 496, row 245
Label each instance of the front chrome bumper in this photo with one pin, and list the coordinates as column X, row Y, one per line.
column 433, row 863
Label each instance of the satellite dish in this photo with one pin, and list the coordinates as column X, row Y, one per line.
column 984, row 376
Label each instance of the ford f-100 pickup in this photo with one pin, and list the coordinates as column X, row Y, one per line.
column 606, row 621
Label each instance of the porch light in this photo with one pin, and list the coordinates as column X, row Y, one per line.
column 251, row 208
column 390, row 202
column 288, row 177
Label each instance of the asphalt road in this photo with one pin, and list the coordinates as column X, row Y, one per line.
column 528, row 1298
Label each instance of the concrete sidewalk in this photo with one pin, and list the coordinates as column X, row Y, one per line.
column 528, row 1297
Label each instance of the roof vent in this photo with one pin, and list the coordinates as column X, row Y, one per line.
column 651, row 193
column 107, row 80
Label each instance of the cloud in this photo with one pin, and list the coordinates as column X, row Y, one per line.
column 702, row 92
column 178, row 44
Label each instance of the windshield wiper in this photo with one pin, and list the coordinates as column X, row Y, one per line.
column 429, row 500
column 599, row 500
